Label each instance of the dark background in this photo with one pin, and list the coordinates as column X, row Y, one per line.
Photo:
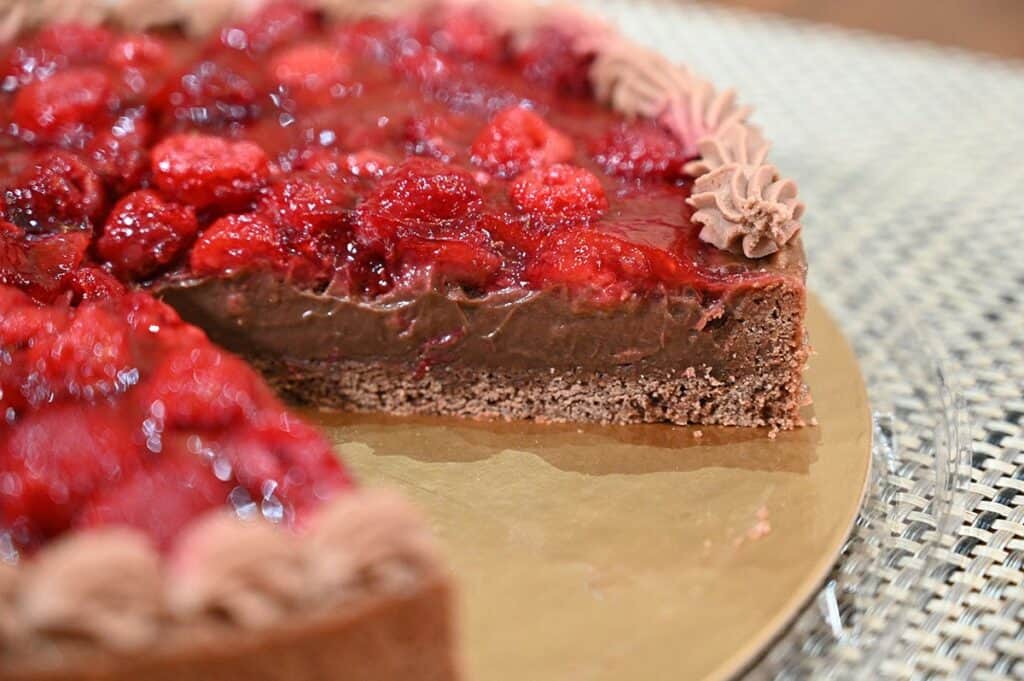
column 991, row 26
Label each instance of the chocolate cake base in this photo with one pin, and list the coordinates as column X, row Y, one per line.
column 383, row 637
column 620, row 395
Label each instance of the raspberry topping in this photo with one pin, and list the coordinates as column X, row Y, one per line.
column 41, row 265
column 312, row 68
column 204, row 171
column 640, row 150
column 423, row 198
column 212, row 93
column 57, row 192
column 63, row 103
column 604, row 265
column 116, row 412
column 144, row 233
column 560, row 194
column 92, row 283
column 371, row 154
column 517, row 139
column 236, row 242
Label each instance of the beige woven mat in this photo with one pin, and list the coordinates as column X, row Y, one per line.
column 911, row 160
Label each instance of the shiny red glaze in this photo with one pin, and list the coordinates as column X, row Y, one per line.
column 206, row 171
column 116, row 412
column 560, row 194
column 293, row 141
column 144, row 232
column 56, row 192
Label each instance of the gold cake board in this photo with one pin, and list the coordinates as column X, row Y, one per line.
column 630, row 552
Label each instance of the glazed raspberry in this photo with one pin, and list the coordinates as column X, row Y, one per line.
column 312, row 67
column 212, row 93
column 92, row 283
column 560, row 194
column 365, row 163
column 22, row 320
column 285, row 466
column 468, row 263
column 640, row 150
column 205, row 171
column 312, row 214
column 55, row 193
column 54, row 47
column 603, row 267
column 551, row 61
column 368, row 163
column 201, row 388
column 432, row 136
column 422, row 198
column 61, row 105
column 237, row 242
column 139, row 62
column 89, row 359
column 55, row 459
column 39, row 264
column 118, row 153
column 517, row 139
column 144, row 233
column 148, row 317
column 161, row 498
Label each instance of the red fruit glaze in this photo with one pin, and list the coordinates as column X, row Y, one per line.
column 41, row 265
column 160, row 498
column 310, row 68
column 116, row 412
column 63, row 103
column 92, row 283
column 372, row 154
column 203, row 170
column 55, row 459
column 517, row 139
column 56, row 192
column 640, row 150
column 238, row 242
column 560, row 195
column 423, row 198
column 145, row 233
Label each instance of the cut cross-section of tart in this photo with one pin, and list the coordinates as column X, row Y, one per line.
column 163, row 516
column 471, row 209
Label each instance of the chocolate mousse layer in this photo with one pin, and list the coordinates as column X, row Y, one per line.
column 729, row 353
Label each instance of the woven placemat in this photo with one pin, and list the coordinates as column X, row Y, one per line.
column 911, row 161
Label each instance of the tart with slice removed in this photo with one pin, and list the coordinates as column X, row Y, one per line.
column 486, row 210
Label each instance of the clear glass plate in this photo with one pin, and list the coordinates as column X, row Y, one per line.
column 858, row 624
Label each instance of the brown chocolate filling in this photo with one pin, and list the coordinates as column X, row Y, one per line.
column 260, row 315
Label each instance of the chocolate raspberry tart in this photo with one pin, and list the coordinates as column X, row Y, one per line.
column 469, row 209
column 486, row 211
column 162, row 515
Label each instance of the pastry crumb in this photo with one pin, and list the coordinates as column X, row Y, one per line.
column 761, row 528
column 698, row 434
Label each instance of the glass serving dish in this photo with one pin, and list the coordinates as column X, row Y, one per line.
column 873, row 606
